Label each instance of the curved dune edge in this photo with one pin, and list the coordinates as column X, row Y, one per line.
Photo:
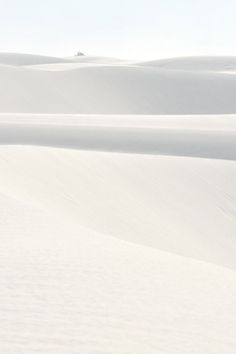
column 79, row 289
column 172, row 143
column 180, row 205
column 209, row 137
column 197, row 63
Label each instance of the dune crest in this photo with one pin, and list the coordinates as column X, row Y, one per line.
column 114, row 87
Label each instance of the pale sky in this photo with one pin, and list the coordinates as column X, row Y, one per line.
column 132, row 29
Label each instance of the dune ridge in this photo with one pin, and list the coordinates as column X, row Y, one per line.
column 191, row 136
column 114, row 89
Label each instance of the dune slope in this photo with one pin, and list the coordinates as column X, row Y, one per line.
column 180, row 205
column 115, row 89
column 18, row 59
column 67, row 289
column 195, row 64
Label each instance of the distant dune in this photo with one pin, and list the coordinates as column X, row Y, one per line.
column 117, row 205
column 18, row 59
column 210, row 64
column 115, row 87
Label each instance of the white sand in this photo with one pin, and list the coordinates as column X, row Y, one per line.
column 113, row 89
column 196, row 64
column 117, row 231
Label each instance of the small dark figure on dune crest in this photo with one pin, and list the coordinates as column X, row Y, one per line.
column 79, row 54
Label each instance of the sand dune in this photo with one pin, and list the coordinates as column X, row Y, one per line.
column 95, row 60
column 176, row 202
column 115, row 89
column 117, row 205
column 195, row 64
column 67, row 289
column 18, row 59
column 193, row 136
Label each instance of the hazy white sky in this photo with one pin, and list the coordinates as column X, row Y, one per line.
column 133, row 29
